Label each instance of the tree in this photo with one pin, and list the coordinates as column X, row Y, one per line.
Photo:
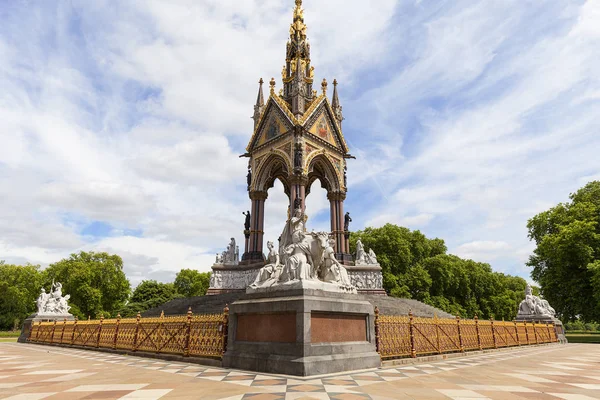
column 566, row 261
column 147, row 295
column 398, row 251
column 95, row 281
column 414, row 266
column 153, row 291
column 19, row 288
column 190, row 282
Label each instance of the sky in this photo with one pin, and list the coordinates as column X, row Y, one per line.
column 121, row 122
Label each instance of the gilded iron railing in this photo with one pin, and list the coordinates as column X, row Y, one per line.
column 409, row 336
column 187, row 335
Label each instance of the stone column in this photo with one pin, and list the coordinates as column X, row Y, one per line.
column 298, row 189
column 257, row 218
column 336, row 202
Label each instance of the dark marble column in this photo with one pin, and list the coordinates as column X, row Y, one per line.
column 342, row 248
column 257, row 219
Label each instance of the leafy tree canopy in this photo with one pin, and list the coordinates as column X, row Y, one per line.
column 414, row 266
column 149, row 294
column 566, row 261
column 19, row 287
column 190, row 282
column 95, row 281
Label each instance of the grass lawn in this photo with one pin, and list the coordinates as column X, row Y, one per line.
column 9, row 334
column 8, row 339
column 583, row 338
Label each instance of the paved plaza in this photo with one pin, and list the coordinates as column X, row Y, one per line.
column 29, row 372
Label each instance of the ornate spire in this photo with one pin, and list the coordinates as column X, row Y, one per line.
column 260, row 100
column 297, row 72
column 335, row 103
column 260, row 103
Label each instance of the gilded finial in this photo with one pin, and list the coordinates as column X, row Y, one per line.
column 335, row 82
column 272, row 83
column 324, row 86
column 298, row 3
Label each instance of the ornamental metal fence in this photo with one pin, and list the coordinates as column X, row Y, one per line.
column 399, row 336
column 187, row 335
column 192, row 335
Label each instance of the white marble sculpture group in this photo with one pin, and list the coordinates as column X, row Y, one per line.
column 364, row 258
column 533, row 306
column 303, row 257
column 53, row 303
column 231, row 256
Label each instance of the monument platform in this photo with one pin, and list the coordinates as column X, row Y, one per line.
column 301, row 332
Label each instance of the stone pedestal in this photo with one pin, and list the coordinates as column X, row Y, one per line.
column 542, row 319
column 367, row 278
column 233, row 278
column 40, row 318
column 301, row 332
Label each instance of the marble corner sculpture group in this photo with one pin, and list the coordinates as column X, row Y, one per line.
column 533, row 306
column 298, row 311
column 54, row 303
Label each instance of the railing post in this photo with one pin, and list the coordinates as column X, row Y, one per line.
column 52, row 334
column 460, row 341
column 188, row 329
column 549, row 335
column 37, row 334
column 437, row 333
column 413, row 350
column 526, row 333
column 99, row 331
column 225, row 326
column 377, row 330
column 63, row 331
column 517, row 332
column 159, row 334
column 73, row 334
column 116, row 332
column 494, row 333
column 535, row 333
column 137, row 330
column 477, row 330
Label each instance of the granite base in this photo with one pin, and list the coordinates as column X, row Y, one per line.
column 301, row 332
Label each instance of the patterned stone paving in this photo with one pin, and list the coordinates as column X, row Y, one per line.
column 30, row 372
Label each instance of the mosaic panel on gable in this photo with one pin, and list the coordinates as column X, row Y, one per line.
column 273, row 128
column 323, row 129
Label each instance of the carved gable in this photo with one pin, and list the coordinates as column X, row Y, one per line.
column 273, row 124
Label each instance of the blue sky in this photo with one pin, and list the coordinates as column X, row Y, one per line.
column 121, row 122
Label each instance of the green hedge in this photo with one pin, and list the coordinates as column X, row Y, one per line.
column 583, row 338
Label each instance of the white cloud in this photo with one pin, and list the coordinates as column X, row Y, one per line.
column 467, row 118
column 482, row 250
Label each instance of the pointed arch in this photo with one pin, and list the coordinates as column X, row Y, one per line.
column 320, row 167
column 275, row 166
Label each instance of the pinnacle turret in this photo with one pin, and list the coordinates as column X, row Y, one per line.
column 335, row 103
column 260, row 103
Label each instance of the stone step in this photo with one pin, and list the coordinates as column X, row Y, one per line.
column 215, row 304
